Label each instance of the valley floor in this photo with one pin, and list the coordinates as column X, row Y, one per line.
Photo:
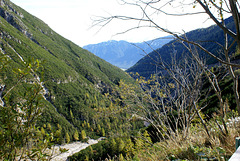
column 72, row 148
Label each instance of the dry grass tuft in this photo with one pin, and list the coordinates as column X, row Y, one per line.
column 196, row 146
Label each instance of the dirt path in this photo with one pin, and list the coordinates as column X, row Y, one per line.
column 72, row 149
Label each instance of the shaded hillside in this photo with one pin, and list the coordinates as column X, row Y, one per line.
column 124, row 54
column 207, row 37
column 75, row 80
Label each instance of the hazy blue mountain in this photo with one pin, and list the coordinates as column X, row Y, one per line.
column 124, row 54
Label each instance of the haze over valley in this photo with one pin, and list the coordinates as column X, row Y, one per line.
column 176, row 99
column 124, row 54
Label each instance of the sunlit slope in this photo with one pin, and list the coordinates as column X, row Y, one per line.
column 74, row 78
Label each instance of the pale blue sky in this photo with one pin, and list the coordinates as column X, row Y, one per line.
column 72, row 19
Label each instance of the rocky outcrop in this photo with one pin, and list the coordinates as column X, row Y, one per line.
column 2, row 87
column 14, row 18
column 103, row 87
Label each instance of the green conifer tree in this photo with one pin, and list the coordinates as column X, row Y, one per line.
column 103, row 132
column 88, row 125
column 76, row 135
column 43, row 131
column 67, row 137
column 91, row 152
column 71, row 114
column 147, row 137
column 129, row 149
column 121, row 158
column 83, row 135
column 49, row 127
column 113, row 146
column 99, row 127
column 121, row 145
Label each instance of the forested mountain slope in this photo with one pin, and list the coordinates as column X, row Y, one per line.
column 205, row 36
column 74, row 79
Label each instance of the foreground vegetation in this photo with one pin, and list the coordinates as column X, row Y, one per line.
column 53, row 92
column 198, row 146
column 173, row 134
column 176, row 130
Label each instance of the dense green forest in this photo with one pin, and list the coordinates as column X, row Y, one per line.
column 54, row 92
column 209, row 38
column 74, row 81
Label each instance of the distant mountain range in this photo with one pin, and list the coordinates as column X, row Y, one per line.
column 124, row 54
column 205, row 36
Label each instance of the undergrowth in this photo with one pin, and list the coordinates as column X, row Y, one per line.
column 197, row 146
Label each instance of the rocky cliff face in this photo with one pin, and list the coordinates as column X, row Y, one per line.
column 13, row 17
column 8, row 15
column 2, row 87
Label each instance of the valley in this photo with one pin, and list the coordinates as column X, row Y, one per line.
column 71, row 148
column 172, row 101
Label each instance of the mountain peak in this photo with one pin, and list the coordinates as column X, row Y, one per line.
column 124, row 54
